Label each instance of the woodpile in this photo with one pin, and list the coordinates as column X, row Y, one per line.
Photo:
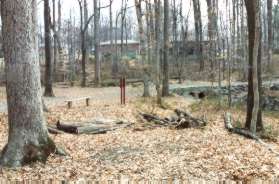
column 179, row 120
column 99, row 126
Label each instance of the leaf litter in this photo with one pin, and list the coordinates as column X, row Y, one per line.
column 146, row 152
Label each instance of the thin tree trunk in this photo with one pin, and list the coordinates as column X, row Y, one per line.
column 270, row 37
column 198, row 32
column 254, row 28
column 48, row 55
column 157, row 49
column 142, row 49
column 28, row 136
column 96, row 43
column 165, row 90
column 54, row 39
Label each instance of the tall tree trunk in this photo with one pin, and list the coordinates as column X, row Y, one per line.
column 96, row 43
column 28, row 136
column 212, row 31
column 83, row 41
column 157, row 49
column 55, row 40
column 142, row 49
column 165, row 90
column 111, row 37
column 270, row 37
column 254, row 29
column 59, row 27
column 198, row 32
column 48, row 55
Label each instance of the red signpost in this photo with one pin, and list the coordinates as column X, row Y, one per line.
column 123, row 90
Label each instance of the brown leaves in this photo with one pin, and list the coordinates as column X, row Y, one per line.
column 210, row 153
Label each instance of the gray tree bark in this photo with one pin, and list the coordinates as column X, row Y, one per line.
column 165, row 89
column 55, row 39
column 28, row 139
column 254, row 29
column 48, row 54
column 96, row 43
column 270, row 37
column 198, row 32
column 157, row 49
column 142, row 49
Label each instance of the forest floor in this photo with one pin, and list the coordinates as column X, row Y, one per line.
column 143, row 151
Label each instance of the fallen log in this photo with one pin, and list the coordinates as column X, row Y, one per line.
column 53, row 130
column 94, row 127
column 240, row 131
column 68, row 128
column 91, row 130
column 155, row 119
column 188, row 121
column 245, row 133
column 182, row 120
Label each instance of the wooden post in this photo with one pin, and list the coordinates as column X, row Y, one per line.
column 87, row 101
column 124, row 90
column 70, row 104
column 121, row 95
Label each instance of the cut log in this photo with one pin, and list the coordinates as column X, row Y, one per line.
column 99, row 126
column 92, row 130
column 53, row 130
column 72, row 129
column 182, row 120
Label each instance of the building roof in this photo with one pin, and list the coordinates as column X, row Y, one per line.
column 119, row 42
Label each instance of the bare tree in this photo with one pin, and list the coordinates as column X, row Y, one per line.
column 96, row 43
column 165, row 89
column 157, row 49
column 212, row 33
column 142, row 48
column 198, row 32
column 254, row 28
column 55, row 39
column 48, row 55
column 270, row 37
column 28, row 136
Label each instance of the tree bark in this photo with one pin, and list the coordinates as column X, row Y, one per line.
column 55, row 40
column 96, row 43
column 254, row 29
column 198, row 32
column 212, row 32
column 28, row 139
column 48, row 54
column 270, row 37
column 157, row 49
column 142, row 49
column 165, row 90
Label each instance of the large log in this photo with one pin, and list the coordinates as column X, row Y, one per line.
column 99, row 126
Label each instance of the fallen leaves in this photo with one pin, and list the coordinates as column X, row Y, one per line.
column 152, row 153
